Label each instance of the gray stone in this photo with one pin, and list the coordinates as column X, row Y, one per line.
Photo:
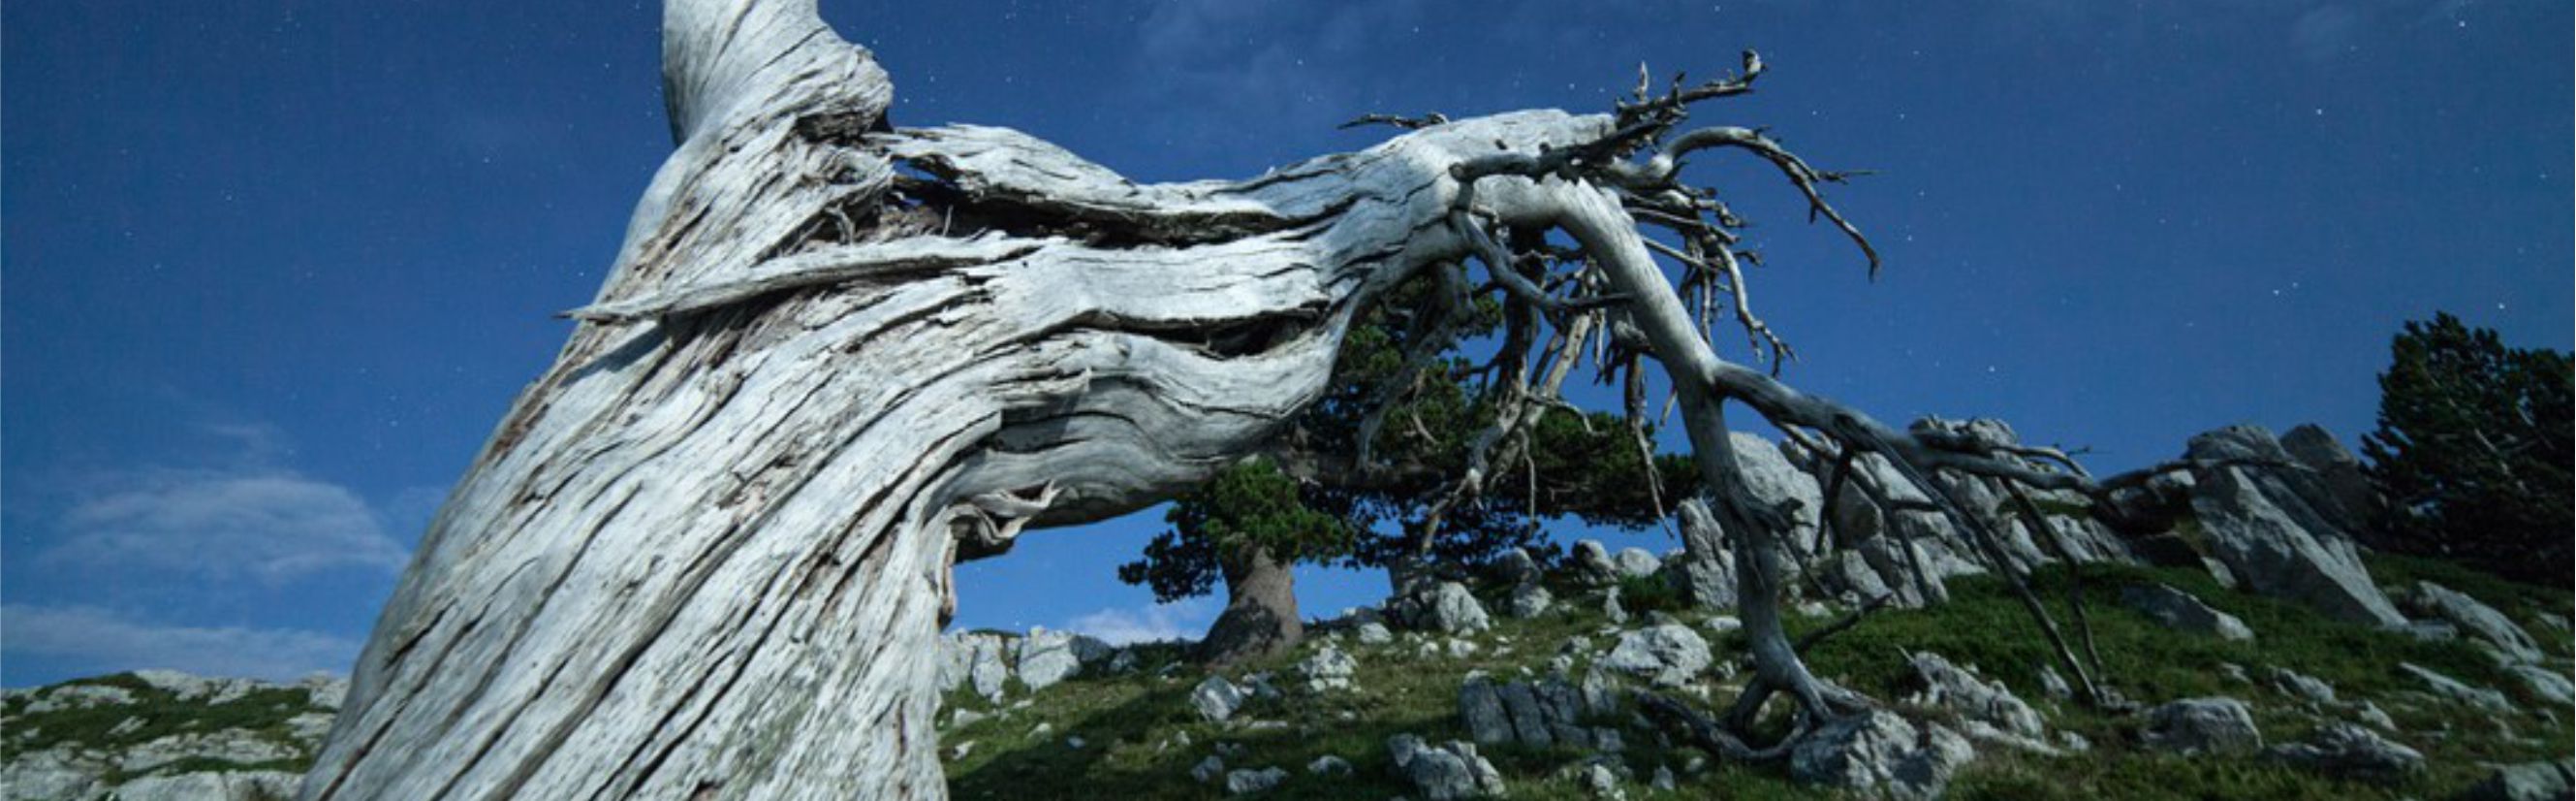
column 2301, row 685
column 2267, row 547
column 2478, row 619
column 2178, row 610
column 1374, row 633
column 1529, row 600
column 2529, row 781
column 1216, row 699
column 1050, row 657
column 1939, row 684
column 1328, row 669
column 1668, row 655
column 2550, row 684
column 1480, row 705
column 1209, row 769
column 2456, row 690
column 2053, row 685
column 1329, row 765
column 51, row 774
column 1515, row 566
column 1611, row 609
column 1246, row 782
column 1881, row 752
column 2335, row 484
column 985, row 666
column 1663, row 781
column 1601, row 782
column 2346, row 751
column 1636, row 563
column 2203, row 725
column 202, row 786
column 1454, row 610
column 1538, row 715
column 965, row 717
column 1446, row 773
column 1592, row 565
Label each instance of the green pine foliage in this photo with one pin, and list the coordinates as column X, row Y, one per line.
column 2473, row 452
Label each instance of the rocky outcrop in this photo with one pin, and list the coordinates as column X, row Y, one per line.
column 186, row 737
column 1327, row 669
column 2456, row 690
column 2334, row 484
column 2270, row 549
column 2529, row 781
column 1446, row 773
column 1445, row 607
column 2203, row 726
column 1667, row 654
column 1881, row 753
column 1592, row 564
column 1986, row 710
column 1538, row 714
column 2346, row 751
column 2181, row 611
column 1216, row 699
column 2479, row 620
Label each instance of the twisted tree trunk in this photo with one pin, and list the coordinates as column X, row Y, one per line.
column 706, row 552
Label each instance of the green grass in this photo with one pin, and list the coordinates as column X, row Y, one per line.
column 1131, row 721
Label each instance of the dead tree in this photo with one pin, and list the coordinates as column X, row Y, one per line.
column 706, row 554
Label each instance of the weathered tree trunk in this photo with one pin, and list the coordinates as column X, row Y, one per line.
column 706, row 552
column 1260, row 616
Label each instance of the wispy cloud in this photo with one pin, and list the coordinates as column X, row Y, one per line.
column 95, row 640
column 223, row 524
column 1179, row 620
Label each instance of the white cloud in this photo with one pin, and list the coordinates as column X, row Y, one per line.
column 1179, row 620
column 264, row 524
column 98, row 641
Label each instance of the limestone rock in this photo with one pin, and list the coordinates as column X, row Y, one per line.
column 2478, row 619
column 1209, row 769
column 1592, row 564
column 2548, row 683
column 2181, row 611
column 2343, row 750
column 2337, row 487
column 1882, row 752
column 2267, row 548
column 2456, row 690
column 1636, row 563
column 1515, row 566
column 1448, row 607
column 1529, row 600
column 1328, row 669
column 1216, row 699
column 210, row 785
column 2309, row 688
column 1049, row 657
column 1374, row 633
column 1538, row 715
column 1668, row 654
column 985, row 666
column 2529, row 781
column 2203, row 725
column 1981, row 703
column 1447, row 773
column 1247, row 782
column 1329, row 765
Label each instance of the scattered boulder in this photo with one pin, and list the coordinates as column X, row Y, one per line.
column 2179, row 610
column 1538, row 715
column 2054, row 685
column 1247, row 782
column 1216, row 699
column 1881, row 751
column 1329, row 765
column 2334, row 483
column 2478, row 619
column 1446, row 773
column 1592, row 564
column 2346, row 751
column 1529, row 600
column 2301, row 685
column 2548, row 683
column 1601, row 781
column 2457, row 690
column 1515, row 566
column 1705, row 572
column 1636, row 563
column 2529, row 781
column 1049, row 657
column 1668, row 654
column 1988, row 710
column 2203, row 725
column 1209, row 769
column 1328, row 669
column 2266, row 547
column 1448, row 608
column 1374, row 633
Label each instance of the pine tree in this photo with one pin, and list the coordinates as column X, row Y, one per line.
column 2473, row 451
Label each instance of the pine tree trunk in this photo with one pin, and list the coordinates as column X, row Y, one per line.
column 1260, row 616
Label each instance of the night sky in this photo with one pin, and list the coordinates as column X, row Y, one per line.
column 270, row 272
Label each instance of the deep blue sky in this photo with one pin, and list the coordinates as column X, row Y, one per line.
column 274, row 269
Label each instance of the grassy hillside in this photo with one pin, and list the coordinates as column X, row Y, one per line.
column 1140, row 736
